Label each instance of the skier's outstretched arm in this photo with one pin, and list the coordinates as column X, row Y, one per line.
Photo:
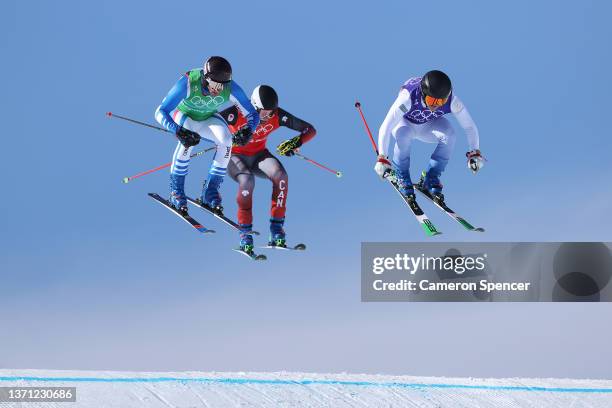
column 307, row 132
column 239, row 98
column 170, row 102
column 475, row 159
column 466, row 122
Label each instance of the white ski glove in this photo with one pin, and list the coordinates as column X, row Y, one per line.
column 475, row 160
column 382, row 167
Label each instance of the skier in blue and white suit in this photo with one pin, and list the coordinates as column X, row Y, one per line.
column 419, row 113
column 191, row 111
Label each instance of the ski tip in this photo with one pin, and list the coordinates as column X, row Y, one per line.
column 126, row 180
column 479, row 229
column 300, row 247
column 339, row 174
column 109, row 114
column 357, row 104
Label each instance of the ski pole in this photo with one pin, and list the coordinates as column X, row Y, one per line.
column 114, row 115
column 163, row 166
column 337, row 173
column 358, row 106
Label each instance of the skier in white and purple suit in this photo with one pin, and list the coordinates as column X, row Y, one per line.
column 419, row 113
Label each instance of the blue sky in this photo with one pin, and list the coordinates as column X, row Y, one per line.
column 94, row 274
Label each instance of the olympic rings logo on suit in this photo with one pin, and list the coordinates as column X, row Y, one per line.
column 264, row 129
column 207, row 101
column 424, row 115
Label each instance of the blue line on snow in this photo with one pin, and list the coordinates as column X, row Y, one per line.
column 241, row 381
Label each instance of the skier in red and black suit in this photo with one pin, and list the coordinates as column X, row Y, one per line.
column 251, row 158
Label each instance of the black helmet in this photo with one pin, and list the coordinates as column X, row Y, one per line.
column 264, row 97
column 218, row 69
column 436, row 84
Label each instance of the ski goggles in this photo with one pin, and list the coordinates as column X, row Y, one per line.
column 435, row 102
column 265, row 114
column 215, row 86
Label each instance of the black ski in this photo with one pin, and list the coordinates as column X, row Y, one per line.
column 221, row 217
column 442, row 205
column 426, row 224
column 188, row 219
column 252, row 255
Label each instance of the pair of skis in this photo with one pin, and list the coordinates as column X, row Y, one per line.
column 192, row 221
column 232, row 224
column 429, row 228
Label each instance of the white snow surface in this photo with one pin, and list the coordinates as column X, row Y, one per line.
column 97, row 389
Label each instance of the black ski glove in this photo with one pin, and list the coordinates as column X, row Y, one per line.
column 242, row 136
column 187, row 137
column 288, row 147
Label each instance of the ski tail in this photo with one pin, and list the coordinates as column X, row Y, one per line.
column 429, row 227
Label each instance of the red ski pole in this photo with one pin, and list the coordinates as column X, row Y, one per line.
column 358, row 106
column 301, row 156
column 163, row 166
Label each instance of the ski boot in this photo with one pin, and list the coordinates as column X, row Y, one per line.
column 277, row 233
column 177, row 193
column 210, row 193
column 246, row 238
column 430, row 183
column 406, row 189
column 404, row 185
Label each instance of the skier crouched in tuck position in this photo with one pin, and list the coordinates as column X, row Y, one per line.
column 251, row 158
column 191, row 111
column 418, row 113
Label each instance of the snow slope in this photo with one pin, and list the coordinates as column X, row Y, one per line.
column 200, row 389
